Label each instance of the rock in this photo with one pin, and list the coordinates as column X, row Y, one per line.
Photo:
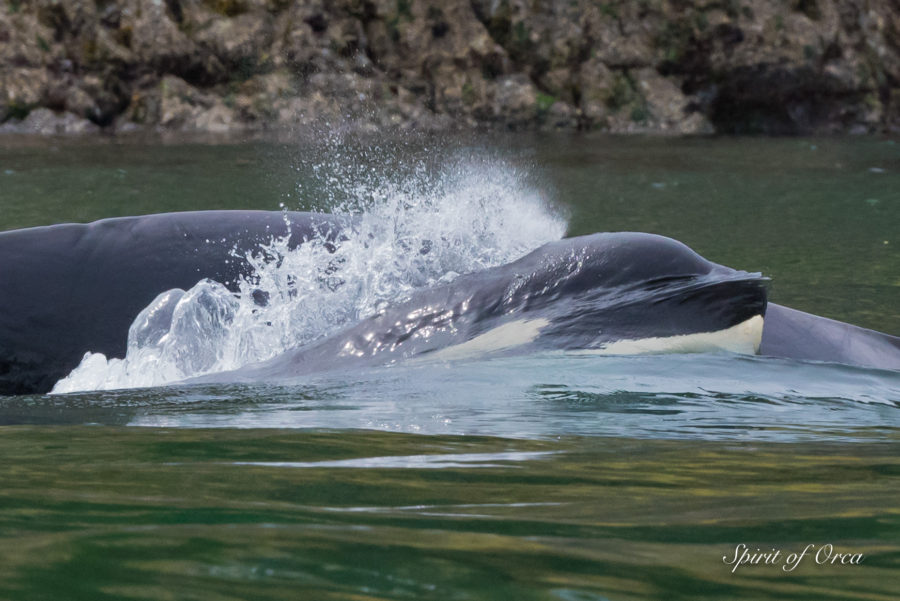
column 77, row 101
column 21, row 90
column 144, row 104
column 666, row 66
column 561, row 115
column 159, row 43
column 106, row 48
column 892, row 112
column 46, row 122
column 311, row 109
column 259, row 99
column 216, row 119
column 625, row 42
column 241, row 44
column 560, row 83
column 183, row 107
column 25, row 42
column 92, row 97
column 594, row 84
column 667, row 108
column 516, row 101
column 176, row 105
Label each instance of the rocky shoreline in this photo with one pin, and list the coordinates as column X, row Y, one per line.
column 645, row 66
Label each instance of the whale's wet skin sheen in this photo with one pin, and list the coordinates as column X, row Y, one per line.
column 450, row 388
column 613, row 293
column 285, row 312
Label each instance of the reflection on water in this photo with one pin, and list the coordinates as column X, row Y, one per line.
column 540, row 396
column 467, row 460
column 551, row 477
column 103, row 513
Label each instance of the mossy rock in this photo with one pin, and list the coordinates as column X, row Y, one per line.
column 622, row 93
column 229, row 8
column 16, row 110
column 544, row 102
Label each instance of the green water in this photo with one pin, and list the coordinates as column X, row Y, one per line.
column 204, row 514
column 526, row 480
column 821, row 217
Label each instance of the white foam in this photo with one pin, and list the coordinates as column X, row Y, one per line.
column 468, row 216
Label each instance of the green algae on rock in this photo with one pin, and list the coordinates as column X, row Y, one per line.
column 652, row 66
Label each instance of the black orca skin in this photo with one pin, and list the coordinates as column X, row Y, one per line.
column 72, row 288
column 582, row 292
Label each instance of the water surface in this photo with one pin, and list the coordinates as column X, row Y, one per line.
column 552, row 476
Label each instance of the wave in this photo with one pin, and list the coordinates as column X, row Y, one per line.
column 424, row 227
column 535, row 396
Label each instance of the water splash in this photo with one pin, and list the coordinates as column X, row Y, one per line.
column 421, row 226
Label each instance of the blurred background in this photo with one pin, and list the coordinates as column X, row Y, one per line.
column 487, row 127
column 226, row 66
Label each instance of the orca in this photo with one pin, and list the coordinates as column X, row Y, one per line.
column 618, row 293
column 72, row 288
column 793, row 334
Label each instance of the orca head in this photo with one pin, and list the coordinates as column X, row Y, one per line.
column 626, row 286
